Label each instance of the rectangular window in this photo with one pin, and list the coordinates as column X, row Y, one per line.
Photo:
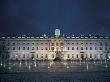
column 90, row 55
column 68, row 48
column 13, row 48
column 100, row 48
column 36, row 48
column 72, row 48
column 18, row 48
column 77, row 56
column 100, row 43
column 46, row 48
column 45, row 55
column 72, row 55
column 81, row 48
column 32, row 48
column 86, row 48
column 13, row 44
column 52, row 44
column 90, row 48
column 23, row 48
column 68, row 56
column 27, row 48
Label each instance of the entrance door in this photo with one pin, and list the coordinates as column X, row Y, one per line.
column 58, row 56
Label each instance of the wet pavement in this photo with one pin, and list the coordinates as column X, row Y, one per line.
column 55, row 71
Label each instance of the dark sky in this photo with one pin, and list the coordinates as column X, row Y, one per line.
column 36, row 17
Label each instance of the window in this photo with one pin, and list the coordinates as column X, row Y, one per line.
column 105, row 48
column 61, row 43
column 23, row 43
column 72, row 48
column 23, row 55
column 68, row 56
column 57, row 44
column 41, row 43
column 77, row 56
column 32, row 43
column 72, row 43
column 72, row 55
column 27, row 43
column 95, row 48
column 36, row 48
column 81, row 43
column 27, row 48
column 13, row 44
column 23, row 48
column 86, row 48
column 90, row 43
column 90, row 55
column 68, row 48
column 32, row 48
column 46, row 48
column 77, row 48
column 52, row 48
column 81, row 48
column 45, row 55
column 90, row 48
column 18, row 48
column 100, row 48
column 100, row 43
column 42, row 56
column 13, row 48
column 52, row 44
column 45, row 43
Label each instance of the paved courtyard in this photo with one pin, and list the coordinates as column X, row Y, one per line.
column 55, row 71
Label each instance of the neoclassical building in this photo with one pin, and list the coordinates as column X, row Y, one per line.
column 57, row 47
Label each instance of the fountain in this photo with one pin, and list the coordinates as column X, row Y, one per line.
column 87, row 67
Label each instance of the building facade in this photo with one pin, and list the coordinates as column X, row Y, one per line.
column 49, row 48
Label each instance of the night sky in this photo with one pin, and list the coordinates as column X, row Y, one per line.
column 36, row 17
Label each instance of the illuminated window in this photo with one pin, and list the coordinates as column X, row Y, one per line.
column 72, row 48
column 52, row 44
column 90, row 48
column 46, row 48
column 61, row 43
column 52, row 48
column 68, row 56
column 81, row 48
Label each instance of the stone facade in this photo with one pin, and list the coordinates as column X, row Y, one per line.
column 49, row 48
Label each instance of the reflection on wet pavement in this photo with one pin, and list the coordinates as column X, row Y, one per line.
column 54, row 66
